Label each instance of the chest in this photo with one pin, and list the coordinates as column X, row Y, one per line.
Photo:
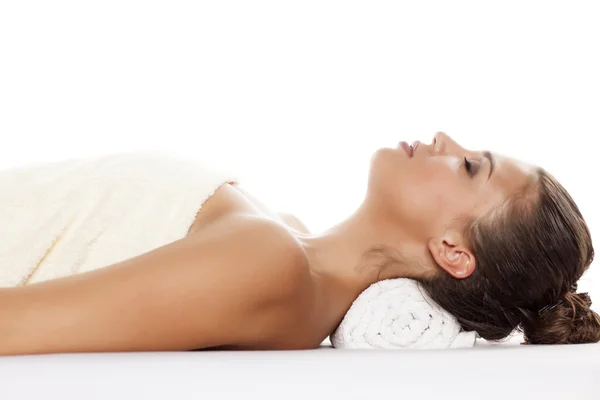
column 229, row 199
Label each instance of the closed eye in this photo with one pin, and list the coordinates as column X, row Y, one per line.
column 471, row 167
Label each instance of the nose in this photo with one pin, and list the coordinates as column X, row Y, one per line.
column 444, row 144
column 438, row 144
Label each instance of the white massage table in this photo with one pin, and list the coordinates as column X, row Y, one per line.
column 505, row 371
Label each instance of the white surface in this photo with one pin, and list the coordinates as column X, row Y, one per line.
column 483, row 372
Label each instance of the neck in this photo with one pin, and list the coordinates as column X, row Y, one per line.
column 354, row 254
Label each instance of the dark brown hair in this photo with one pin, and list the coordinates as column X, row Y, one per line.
column 530, row 253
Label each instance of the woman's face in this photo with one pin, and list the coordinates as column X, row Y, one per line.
column 427, row 190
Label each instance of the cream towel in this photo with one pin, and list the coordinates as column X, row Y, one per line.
column 395, row 314
column 63, row 218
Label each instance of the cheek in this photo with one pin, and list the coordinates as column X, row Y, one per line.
column 436, row 192
column 422, row 192
column 429, row 198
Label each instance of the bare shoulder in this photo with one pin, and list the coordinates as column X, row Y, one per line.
column 273, row 278
column 268, row 243
column 262, row 255
column 257, row 234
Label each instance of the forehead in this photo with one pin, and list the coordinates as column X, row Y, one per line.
column 509, row 176
column 510, row 169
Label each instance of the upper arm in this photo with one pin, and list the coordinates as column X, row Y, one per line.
column 222, row 287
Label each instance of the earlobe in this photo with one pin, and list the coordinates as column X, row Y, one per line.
column 464, row 272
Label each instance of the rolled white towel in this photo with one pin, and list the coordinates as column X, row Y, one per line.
column 395, row 314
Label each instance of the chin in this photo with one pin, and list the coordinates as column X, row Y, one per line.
column 385, row 156
column 387, row 170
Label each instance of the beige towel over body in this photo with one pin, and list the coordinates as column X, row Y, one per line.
column 63, row 218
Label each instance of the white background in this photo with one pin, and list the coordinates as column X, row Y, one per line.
column 298, row 95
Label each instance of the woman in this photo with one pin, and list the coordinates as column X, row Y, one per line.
column 498, row 243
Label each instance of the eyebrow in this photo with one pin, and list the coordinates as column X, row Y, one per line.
column 489, row 156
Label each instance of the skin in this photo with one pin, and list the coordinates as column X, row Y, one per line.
column 246, row 277
column 409, row 207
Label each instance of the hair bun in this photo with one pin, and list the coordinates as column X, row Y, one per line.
column 569, row 321
column 584, row 297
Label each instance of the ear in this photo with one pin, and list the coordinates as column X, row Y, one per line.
column 451, row 254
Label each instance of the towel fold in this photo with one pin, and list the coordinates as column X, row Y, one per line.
column 396, row 314
column 63, row 218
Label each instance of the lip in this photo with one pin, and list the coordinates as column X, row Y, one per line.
column 409, row 151
column 414, row 146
